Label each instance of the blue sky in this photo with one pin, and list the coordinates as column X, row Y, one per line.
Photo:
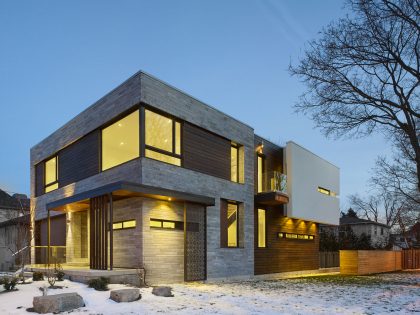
column 58, row 57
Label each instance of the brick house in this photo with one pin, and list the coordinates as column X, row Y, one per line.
column 151, row 177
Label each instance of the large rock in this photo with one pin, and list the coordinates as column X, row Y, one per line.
column 125, row 295
column 57, row 303
column 162, row 291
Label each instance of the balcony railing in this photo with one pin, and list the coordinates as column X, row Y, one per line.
column 273, row 181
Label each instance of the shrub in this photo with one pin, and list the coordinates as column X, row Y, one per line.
column 37, row 276
column 99, row 284
column 9, row 284
column 59, row 273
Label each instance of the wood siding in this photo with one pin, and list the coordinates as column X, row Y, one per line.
column 363, row 262
column 223, row 223
column 273, row 158
column 39, row 179
column 79, row 160
column 58, row 231
column 205, row 152
column 282, row 254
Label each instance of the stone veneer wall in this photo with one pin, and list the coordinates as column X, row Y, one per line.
column 163, row 249
column 127, row 242
column 74, row 238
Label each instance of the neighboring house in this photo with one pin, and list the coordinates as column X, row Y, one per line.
column 14, row 242
column 410, row 239
column 150, row 177
column 377, row 232
column 13, row 209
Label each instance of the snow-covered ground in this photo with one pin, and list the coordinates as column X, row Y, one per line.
column 397, row 293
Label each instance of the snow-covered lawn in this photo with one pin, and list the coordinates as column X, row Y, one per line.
column 397, row 293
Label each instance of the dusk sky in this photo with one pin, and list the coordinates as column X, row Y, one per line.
column 59, row 57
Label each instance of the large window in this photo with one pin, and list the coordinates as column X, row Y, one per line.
column 232, row 224
column 51, row 174
column 261, row 228
column 120, row 141
column 260, row 173
column 236, row 163
column 162, row 138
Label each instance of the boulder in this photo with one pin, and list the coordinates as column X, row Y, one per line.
column 57, row 303
column 162, row 291
column 125, row 295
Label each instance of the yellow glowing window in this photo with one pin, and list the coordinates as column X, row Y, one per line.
column 120, row 141
column 129, row 224
column 155, row 223
column 163, row 138
column 51, row 174
column 168, row 225
column 165, row 224
column 295, row 236
column 117, row 226
column 261, row 228
column 260, row 170
column 232, row 223
column 323, row 191
column 234, row 154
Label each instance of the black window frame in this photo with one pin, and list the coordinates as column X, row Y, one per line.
column 55, row 156
column 231, row 202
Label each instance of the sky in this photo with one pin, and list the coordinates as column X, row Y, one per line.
column 59, row 57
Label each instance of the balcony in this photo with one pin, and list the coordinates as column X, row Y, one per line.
column 272, row 189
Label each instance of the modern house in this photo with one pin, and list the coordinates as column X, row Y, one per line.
column 150, row 177
column 377, row 232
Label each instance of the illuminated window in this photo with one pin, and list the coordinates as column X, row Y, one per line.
column 261, row 228
column 295, row 236
column 51, row 174
column 129, row 224
column 232, row 224
column 326, row 192
column 236, row 163
column 120, row 141
column 163, row 138
column 260, row 170
column 166, row 224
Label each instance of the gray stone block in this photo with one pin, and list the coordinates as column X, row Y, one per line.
column 57, row 303
column 125, row 295
column 162, row 291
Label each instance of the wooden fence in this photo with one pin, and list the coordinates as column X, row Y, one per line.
column 411, row 259
column 329, row 259
column 362, row 262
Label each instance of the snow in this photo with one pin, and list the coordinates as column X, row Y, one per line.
column 397, row 293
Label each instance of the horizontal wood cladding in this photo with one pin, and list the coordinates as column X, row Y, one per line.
column 273, row 158
column 282, row 254
column 363, row 262
column 205, row 152
column 39, row 179
column 79, row 160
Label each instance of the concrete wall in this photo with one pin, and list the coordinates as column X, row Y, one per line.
column 305, row 173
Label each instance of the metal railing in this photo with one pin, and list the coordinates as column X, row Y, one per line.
column 272, row 181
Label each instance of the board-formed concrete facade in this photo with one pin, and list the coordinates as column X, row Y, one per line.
column 161, row 253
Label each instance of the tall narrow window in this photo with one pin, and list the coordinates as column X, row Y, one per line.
column 232, row 224
column 120, row 141
column 236, row 163
column 51, row 174
column 261, row 228
column 163, row 138
column 260, row 173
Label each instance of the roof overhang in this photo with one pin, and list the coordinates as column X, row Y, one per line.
column 122, row 190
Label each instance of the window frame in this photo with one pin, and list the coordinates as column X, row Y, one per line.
column 265, row 228
column 122, row 225
column 55, row 182
column 262, row 157
column 236, row 146
column 231, row 202
column 143, row 131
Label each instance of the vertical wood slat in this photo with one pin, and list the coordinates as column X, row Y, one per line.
column 98, row 232
column 223, row 223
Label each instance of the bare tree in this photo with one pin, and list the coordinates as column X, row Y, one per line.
column 363, row 74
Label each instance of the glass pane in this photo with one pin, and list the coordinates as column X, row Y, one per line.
column 177, row 138
column 232, row 219
column 129, row 224
column 261, row 228
column 168, row 225
column 163, row 157
column 117, row 226
column 260, row 174
column 158, row 131
column 51, row 170
column 120, row 141
column 234, row 164
column 51, row 187
column 155, row 223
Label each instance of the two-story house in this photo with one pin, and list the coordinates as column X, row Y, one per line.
column 151, row 177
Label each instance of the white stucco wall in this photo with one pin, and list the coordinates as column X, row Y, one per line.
column 305, row 173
